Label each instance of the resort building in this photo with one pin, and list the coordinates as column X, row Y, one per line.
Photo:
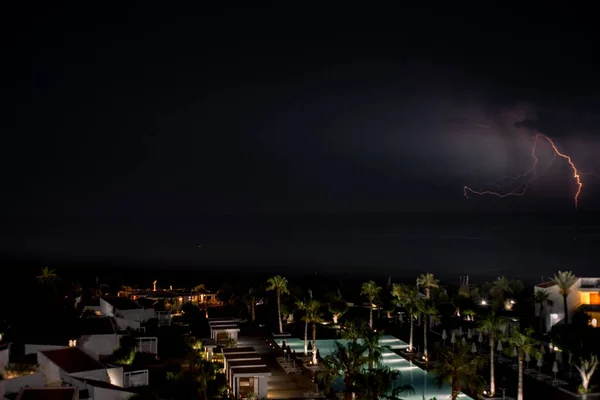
column 584, row 295
column 224, row 331
column 127, row 313
column 246, row 372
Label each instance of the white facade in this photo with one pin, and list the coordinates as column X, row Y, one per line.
column 14, row 385
column 52, row 373
column 99, row 345
column 138, row 315
column 34, row 348
column 222, row 329
column 98, row 392
column 4, row 357
column 580, row 293
column 260, row 383
column 245, row 371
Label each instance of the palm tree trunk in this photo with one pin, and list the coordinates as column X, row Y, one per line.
column 425, row 338
column 520, row 394
column 252, row 311
column 455, row 389
column 492, row 378
column 566, row 309
column 314, row 339
column 305, row 338
column 371, row 315
column 279, row 312
column 412, row 327
column 542, row 319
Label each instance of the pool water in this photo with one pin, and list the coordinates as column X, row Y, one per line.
column 421, row 381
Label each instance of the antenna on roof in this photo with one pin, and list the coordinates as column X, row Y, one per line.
column 154, row 284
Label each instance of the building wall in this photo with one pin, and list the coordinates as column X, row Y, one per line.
column 34, row 348
column 106, row 308
column 555, row 313
column 51, row 372
column 109, row 394
column 125, row 324
column 263, row 386
column 115, row 376
column 99, row 345
column 139, row 315
column 4, row 357
column 16, row 384
column 96, row 374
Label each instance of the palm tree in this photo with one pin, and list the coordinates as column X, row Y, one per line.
column 372, row 345
column 303, row 306
column 370, row 290
column 492, row 326
column 47, row 276
column 280, row 285
column 564, row 281
column 458, row 368
column 354, row 330
column 381, row 383
column 337, row 308
column 313, row 314
column 428, row 282
column 586, row 371
column 407, row 297
column 428, row 310
column 251, row 300
column 541, row 297
column 204, row 373
column 499, row 288
column 525, row 344
column 327, row 374
column 347, row 361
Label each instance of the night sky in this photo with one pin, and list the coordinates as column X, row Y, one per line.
column 122, row 116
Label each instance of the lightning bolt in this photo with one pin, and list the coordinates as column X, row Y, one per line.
column 530, row 175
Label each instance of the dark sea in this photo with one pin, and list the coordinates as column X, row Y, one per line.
column 525, row 246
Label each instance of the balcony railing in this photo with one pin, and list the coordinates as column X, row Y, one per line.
column 135, row 378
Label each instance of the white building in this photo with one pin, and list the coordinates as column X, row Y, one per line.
column 98, row 336
column 127, row 313
column 584, row 295
column 223, row 329
column 74, row 362
column 245, row 372
column 55, row 393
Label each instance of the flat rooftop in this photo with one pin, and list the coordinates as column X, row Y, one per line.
column 253, row 371
column 246, row 363
column 72, row 359
column 122, row 303
column 238, row 350
column 244, row 356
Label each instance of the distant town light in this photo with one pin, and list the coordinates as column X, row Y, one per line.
column 483, row 302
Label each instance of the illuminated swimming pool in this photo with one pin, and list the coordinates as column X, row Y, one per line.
column 412, row 375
